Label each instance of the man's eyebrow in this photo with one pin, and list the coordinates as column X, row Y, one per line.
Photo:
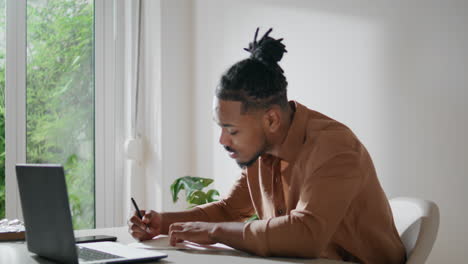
column 223, row 124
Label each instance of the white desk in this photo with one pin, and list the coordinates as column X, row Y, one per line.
column 17, row 252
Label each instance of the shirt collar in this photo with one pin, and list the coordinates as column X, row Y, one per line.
column 291, row 145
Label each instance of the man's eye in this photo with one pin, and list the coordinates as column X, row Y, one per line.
column 233, row 133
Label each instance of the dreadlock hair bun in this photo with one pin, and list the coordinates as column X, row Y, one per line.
column 258, row 82
column 268, row 50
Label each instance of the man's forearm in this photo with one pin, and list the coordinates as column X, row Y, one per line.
column 229, row 233
column 192, row 215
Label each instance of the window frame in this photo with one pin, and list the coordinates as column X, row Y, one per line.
column 15, row 101
column 108, row 101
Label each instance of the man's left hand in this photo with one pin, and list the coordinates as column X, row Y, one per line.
column 198, row 232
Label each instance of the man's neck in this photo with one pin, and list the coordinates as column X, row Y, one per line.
column 280, row 137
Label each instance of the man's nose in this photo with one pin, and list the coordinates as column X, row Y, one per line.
column 224, row 139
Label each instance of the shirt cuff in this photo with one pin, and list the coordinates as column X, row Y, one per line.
column 255, row 237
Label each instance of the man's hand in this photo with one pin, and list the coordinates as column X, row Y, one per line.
column 198, row 232
column 146, row 228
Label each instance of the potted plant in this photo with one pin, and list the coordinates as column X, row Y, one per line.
column 193, row 187
column 195, row 195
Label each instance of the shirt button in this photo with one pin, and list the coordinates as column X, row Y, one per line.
column 277, row 180
column 280, row 211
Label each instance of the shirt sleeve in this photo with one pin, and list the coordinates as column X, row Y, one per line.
column 323, row 202
column 236, row 206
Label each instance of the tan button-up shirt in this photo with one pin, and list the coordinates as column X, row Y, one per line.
column 320, row 197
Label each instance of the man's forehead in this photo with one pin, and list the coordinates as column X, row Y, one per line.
column 227, row 105
column 225, row 112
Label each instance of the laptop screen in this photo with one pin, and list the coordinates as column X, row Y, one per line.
column 47, row 218
column 46, row 211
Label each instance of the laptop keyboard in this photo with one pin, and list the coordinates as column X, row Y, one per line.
column 88, row 254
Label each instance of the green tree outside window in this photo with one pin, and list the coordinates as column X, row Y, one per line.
column 60, row 97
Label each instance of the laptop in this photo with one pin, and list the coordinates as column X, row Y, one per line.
column 48, row 223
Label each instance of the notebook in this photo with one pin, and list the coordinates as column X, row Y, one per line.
column 47, row 218
column 162, row 242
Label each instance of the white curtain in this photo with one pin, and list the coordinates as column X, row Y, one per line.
column 142, row 87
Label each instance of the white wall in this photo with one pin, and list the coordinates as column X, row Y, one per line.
column 394, row 71
column 172, row 124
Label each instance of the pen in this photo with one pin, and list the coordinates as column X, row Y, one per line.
column 138, row 211
column 136, row 208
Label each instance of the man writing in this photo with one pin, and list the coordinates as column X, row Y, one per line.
column 307, row 177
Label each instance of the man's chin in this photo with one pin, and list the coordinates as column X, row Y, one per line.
column 246, row 164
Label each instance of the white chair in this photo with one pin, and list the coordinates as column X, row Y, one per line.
column 417, row 222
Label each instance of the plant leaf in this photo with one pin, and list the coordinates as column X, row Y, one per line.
column 196, row 183
column 197, row 197
column 176, row 187
column 253, row 218
column 210, row 195
column 189, row 184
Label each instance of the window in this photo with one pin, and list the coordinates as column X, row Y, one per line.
column 60, row 96
column 63, row 101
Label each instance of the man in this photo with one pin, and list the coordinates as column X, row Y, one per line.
column 307, row 177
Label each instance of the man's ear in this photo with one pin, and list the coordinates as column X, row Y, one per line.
column 272, row 119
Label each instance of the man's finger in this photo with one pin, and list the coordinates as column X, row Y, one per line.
column 176, row 236
column 153, row 230
column 146, row 214
column 141, row 225
column 142, row 212
column 138, row 228
column 176, row 233
column 140, row 234
column 146, row 220
column 137, row 233
column 176, row 226
column 135, row 219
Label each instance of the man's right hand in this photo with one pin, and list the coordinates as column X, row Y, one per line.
column 146, row 228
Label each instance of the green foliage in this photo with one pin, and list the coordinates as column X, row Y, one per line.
column 193, row 189
column 253, row 218
column 194, row 194
column 60, row 98
column 81, row 199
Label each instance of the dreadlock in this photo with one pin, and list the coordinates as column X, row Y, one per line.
column 258, row 81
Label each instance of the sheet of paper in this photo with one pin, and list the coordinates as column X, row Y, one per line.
column 11, row 230
column 161, row 242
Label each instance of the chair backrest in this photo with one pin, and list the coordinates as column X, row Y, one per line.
column 417, row 222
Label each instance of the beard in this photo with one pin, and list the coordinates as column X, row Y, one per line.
column 245, row 164
column 250, row 162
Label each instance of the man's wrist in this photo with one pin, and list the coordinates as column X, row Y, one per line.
column 164, row 225
column 213, row 234
column 229, row 233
